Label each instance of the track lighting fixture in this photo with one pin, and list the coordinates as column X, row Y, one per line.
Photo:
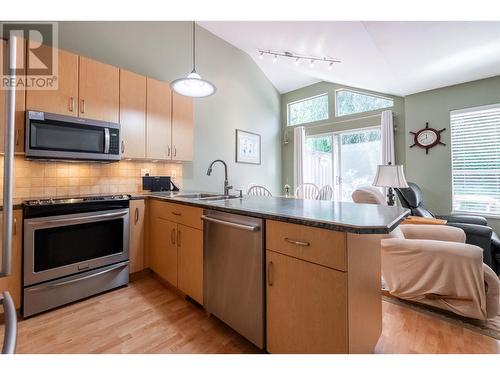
column 297, row 58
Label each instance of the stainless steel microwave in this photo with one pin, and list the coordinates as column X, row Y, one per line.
column 52, row 136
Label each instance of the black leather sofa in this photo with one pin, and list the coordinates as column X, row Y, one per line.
column 476, row 228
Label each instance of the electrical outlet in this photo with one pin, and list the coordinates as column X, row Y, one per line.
column 144, row 172
column 173, row 174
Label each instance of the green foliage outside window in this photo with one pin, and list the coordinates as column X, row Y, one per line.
column 361, row 137
column 308, row 110
column 350, row 102
column 323, row 144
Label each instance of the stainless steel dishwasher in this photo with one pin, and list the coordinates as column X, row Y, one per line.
column 234, row 272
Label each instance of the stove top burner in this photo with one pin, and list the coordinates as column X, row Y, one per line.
column 74, row 200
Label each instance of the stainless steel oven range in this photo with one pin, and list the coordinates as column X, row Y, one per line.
column 73, row 248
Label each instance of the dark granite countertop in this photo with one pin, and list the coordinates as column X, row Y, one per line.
column 340, row 216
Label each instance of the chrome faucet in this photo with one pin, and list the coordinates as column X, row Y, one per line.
column 226, row 182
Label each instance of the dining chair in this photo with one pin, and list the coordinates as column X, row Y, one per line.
column 307, row 191
column 259, row 190
column 325, row 193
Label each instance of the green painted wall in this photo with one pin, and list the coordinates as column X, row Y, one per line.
column 433, row 171
column 245, row 98
column 336, row 123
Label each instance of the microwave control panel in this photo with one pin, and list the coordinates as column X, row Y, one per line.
column 114, row 141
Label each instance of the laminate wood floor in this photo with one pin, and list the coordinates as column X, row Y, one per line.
column 147, row 317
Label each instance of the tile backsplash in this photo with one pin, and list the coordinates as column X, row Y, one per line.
column 35, row 179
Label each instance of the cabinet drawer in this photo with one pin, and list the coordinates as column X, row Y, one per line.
column 320, row 246
column 178, row 213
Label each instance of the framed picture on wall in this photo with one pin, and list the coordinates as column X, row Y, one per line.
column 247, row 147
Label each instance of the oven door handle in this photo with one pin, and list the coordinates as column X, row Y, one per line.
column 84, row 219
column 62, row 283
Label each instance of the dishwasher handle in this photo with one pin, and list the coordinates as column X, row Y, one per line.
column 249, row 228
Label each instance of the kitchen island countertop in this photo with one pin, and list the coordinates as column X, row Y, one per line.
column 339, row 216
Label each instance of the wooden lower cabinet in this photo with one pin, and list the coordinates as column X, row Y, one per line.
column 176, row 249
column 137, row 217
column 12, row 283
column 190, row 266
column 163, row 249
column 306, row 306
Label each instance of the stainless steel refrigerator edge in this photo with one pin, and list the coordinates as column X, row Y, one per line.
column 9, row 341
column 234, row 272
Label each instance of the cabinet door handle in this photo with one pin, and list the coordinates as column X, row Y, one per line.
column 176, row 213
column 82, row 106
column 71, row 105
column 136, row 217
column 175, row 151
column 270, row 280
column 168, row 151
column 179, row 238
column 172, row 236
column 14, row 229
column 295, row 242
column 17, row 137
column 123, row 147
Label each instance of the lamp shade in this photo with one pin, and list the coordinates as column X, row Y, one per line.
column 390, row 176
column 193, row 85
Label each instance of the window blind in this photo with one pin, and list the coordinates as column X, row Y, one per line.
column 475, row 150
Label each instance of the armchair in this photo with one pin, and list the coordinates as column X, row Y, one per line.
column 432, row 265
column 475, row 227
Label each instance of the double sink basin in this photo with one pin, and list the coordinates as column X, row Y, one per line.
column 206, row 196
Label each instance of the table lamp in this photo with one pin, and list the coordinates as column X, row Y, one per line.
column 390, row 176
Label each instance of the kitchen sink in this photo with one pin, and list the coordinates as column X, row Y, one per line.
column 206, row 196
column 197, row 196
column 218, row 198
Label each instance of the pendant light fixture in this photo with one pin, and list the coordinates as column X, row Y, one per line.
column 193, row 85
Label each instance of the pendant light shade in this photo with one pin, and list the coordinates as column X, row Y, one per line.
column 193, row 85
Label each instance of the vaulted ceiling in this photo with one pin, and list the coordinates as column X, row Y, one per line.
column 397, row 58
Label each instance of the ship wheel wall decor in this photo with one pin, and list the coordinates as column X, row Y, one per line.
column 427, row 138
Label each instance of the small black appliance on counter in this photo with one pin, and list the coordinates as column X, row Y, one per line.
column 158, row 183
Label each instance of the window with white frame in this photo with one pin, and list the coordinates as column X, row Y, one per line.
column 308, row 110
column 349, row 102
column 475, row 151
column 344, row 160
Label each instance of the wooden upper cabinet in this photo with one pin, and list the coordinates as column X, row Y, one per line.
column 64, row 100
column 20, row 102
column 133, row 115
column 182, row 127
column 158, row 123
column 99, row 90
